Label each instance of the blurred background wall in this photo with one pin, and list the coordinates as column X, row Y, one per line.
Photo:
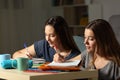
column 23, row 20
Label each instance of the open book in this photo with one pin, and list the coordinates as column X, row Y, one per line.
column 65, row 64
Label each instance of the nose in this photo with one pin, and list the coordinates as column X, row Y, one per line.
column 85, row 41
column 47, row 38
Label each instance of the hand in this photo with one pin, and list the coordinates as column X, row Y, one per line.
column 28, row 55
column 58, row 58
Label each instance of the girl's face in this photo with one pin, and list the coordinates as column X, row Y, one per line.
column 51, row 36
column 90, row 41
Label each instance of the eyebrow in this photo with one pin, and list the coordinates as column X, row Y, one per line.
column 89, row 36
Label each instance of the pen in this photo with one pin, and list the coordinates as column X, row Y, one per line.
column 25, row 46
column 60, row 54
column 28, row 54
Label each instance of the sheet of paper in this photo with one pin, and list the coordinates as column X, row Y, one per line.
column 67, row 63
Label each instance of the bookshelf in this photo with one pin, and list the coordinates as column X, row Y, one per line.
column 66, row 2
column 77, row 13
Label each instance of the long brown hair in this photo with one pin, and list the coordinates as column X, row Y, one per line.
column 106, row 40
column 62, row 30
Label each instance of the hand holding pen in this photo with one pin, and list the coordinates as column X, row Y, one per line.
column 58, row 57
column 27, row 51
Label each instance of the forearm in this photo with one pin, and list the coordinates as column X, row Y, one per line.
column 28, row 52
column 18, row 54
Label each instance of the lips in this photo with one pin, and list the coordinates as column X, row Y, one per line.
column 87, row 47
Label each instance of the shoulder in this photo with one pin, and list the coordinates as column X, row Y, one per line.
column 41, row 42
column 113, row 65
column 112, row 70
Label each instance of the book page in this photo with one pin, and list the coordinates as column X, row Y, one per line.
column 65, row 64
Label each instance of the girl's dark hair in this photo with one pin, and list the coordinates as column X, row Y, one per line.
column 108, row 46
column 62, row 30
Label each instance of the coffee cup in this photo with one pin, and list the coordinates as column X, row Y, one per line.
column 3, row 57
column 22, row 64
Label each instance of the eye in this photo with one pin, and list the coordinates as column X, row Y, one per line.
column 91, row 38
column 52, row 35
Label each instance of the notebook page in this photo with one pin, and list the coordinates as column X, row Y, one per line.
column 65, row 64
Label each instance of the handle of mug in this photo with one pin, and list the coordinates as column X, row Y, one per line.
column 13, row 61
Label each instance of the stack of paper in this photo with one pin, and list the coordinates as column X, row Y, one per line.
column 38, row 60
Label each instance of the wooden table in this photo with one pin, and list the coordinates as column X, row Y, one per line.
column 13, row 74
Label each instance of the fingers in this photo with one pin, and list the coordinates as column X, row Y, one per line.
column 28, row 55
column 58, row 58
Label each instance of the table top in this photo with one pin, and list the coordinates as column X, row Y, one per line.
column 13, row 74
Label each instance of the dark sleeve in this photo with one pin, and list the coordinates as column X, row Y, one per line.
column 39, row 48
column 73, row 54
column 43, row 50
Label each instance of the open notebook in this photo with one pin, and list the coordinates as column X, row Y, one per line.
column 65, row 64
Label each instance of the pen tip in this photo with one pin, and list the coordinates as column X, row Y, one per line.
column 25, row 45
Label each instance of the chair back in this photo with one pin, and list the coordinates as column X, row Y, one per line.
column 79, row 40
